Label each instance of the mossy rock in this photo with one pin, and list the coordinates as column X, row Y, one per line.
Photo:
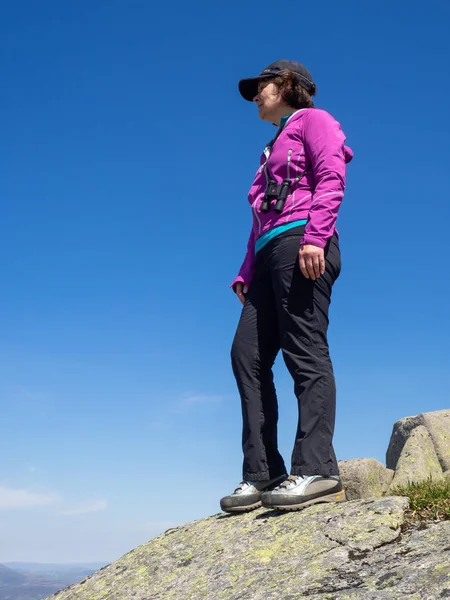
column 354, row 550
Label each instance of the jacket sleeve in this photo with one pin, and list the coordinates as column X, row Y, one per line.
column 246, row 271
column 324, row 144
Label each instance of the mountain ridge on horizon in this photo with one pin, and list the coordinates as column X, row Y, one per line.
column 19, row 565
column 34, row 581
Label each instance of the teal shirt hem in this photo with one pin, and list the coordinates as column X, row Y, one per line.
column 269, row 235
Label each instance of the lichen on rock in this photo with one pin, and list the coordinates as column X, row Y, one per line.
column 363, row 549
column 418, row 460
column 354, row 550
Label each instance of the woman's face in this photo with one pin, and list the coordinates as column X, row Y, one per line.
column 268, row 100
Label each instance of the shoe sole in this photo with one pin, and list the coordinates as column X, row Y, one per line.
column 242, row 508
column 336, row 497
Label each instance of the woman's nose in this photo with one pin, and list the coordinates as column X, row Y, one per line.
column 256, row 98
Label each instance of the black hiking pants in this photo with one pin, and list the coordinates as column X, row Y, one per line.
column 284, row 310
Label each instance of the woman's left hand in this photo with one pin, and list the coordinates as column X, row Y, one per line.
column 312, row 261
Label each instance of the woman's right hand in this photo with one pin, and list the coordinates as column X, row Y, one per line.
column 241, row 290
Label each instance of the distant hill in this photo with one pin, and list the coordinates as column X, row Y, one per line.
column 34, row 581
column 10, row 577
column 72, row 571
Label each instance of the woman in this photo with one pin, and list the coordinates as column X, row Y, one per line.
column 285, row 285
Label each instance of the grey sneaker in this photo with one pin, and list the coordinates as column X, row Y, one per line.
column 247, row 495
column 300, row 491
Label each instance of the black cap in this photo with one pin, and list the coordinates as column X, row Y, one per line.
column 249, row 87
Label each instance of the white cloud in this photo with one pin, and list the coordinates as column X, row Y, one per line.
column 190, row 399
column 84, row 508
column 32, row 469
column 14, row 498
column 11, row 499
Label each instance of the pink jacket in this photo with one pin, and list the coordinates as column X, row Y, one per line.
column 311, row 140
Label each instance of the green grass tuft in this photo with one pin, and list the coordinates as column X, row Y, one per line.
column 429, row 500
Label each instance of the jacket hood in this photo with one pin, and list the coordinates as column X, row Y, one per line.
column 348, row 153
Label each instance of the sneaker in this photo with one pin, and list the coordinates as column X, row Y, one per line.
column 300, row 491
column 247, row 495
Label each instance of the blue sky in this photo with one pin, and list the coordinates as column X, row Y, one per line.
column 126, row 157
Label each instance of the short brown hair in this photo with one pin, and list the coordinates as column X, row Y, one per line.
column 292, row 92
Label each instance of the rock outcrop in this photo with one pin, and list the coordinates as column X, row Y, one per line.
column 358, row 550
column 419, row 449
column 364, row 478
column 437, row 425
column 418, row 459
column 350, row 551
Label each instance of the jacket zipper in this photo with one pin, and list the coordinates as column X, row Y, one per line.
column 300, row 154
column 296, row 180
column 257, row 217
column 289, row 172
column 267, row 155
column 261, row 168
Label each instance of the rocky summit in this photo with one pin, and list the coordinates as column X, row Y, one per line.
column 359, row 550
column 351, row 551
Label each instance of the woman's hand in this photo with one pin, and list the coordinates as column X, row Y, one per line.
column 241, row 289
column 312, row 261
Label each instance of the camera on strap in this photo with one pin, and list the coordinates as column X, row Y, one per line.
column 277, row 192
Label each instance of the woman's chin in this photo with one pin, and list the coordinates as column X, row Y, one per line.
column 262, row 114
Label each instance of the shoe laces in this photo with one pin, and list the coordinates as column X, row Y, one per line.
column 241, row 487
column 291, row 480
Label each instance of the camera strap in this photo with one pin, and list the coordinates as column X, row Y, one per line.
column 268, row 152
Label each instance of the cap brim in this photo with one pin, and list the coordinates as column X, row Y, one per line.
column 248, row 88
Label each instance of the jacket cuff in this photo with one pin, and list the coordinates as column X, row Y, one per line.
column 237, row 280
column 313, row 240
